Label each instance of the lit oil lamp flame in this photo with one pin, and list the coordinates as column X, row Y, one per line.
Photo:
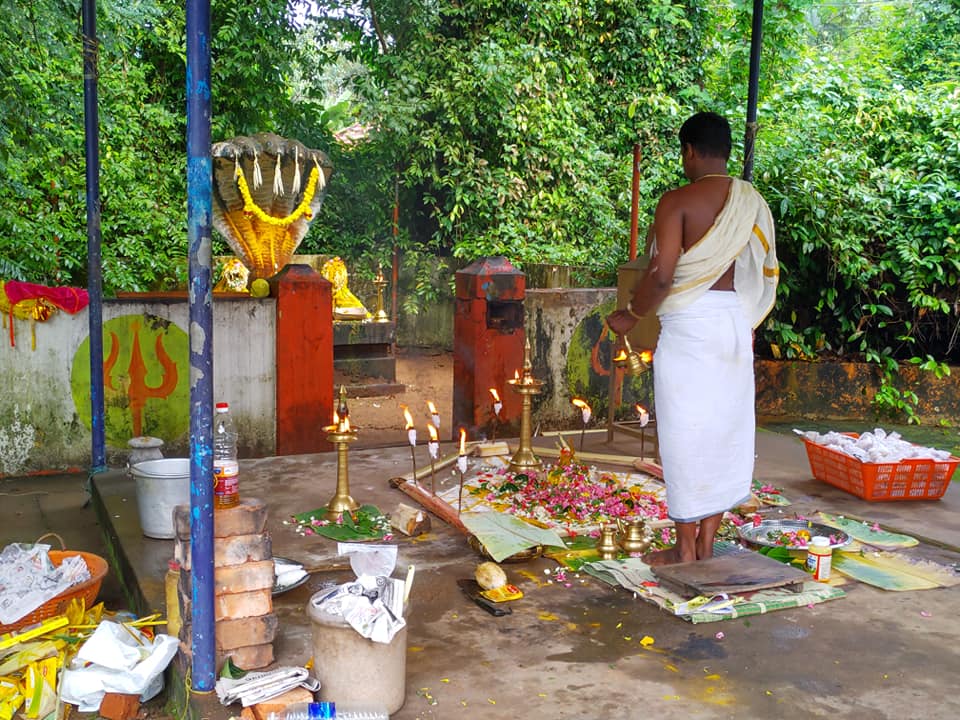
column 646, row 356
column 495, row 394
column 336, row 419
column 516, row 375
column 620, row 356
column 584, row 408
column 345, row 425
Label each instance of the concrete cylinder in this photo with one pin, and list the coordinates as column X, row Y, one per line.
column 354, row 671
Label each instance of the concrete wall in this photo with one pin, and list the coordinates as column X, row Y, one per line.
column 46, row 391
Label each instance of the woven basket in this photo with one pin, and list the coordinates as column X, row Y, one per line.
column 87, row 590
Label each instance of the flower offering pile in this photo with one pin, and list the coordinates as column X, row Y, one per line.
column 570, row 497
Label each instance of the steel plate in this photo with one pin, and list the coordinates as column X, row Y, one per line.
column 758, row 534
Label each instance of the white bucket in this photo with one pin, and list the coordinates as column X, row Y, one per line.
column 161, row 486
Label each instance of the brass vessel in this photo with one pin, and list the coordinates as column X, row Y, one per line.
column 634, row 536
column 607, row 543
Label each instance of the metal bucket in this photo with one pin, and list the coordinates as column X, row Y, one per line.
column 161, row 486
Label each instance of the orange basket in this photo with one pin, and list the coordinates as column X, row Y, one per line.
column 876, row 482
column 87, row 590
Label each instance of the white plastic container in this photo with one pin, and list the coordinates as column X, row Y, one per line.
column 354, row 671
column 161, row 486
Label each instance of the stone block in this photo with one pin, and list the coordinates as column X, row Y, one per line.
column 233, row 550
column 247, row 518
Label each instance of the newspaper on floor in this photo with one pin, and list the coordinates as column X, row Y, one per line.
column 257, row 687
column 28, row 578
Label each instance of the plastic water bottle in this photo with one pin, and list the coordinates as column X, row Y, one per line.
column 318, row 710
column 226, row 469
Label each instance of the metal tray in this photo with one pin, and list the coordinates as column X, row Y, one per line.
column 757, row 534
column 288, row 564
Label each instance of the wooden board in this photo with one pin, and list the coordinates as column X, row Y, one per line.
column 736, row 572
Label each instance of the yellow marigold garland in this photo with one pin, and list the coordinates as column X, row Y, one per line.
column 249, row 206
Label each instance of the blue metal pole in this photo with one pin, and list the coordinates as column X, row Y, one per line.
column 199, row 209
column 91, row 124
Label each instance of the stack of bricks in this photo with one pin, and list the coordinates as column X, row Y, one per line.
column 243, row 584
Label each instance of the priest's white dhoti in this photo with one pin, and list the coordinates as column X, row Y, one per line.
column 704, row 393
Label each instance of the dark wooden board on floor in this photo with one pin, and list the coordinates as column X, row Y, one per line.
column 736, row 572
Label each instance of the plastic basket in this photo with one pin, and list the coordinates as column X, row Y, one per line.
column 87, row 590
column 904, row 480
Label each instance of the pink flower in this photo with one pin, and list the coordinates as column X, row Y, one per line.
column 757, row 520
column 875, row 527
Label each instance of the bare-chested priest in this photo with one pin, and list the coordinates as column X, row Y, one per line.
column 712, row 279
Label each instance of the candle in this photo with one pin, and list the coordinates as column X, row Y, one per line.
column 434, row 415
column 433, row 445
column 411, row 430
column 585, row 410
column 497, row 405
column 642, row 415
column 462, row 458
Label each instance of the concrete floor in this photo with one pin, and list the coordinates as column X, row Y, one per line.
column 575, row 652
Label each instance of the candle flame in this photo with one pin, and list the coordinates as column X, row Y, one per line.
column 620, row 356
column 639, row 409
column 495, row 394
column 463, row 441
column 433, row 432
column 431, row 407
column 582, row 404
column 408, row 417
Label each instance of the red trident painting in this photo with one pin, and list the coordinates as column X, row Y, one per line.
column 145, row 379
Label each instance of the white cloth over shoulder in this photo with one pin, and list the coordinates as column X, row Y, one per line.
column 704, row 390
column 742, row 232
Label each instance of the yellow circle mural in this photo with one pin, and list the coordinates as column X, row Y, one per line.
column 146, row 379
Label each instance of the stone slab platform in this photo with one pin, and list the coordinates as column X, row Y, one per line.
column 572, row 650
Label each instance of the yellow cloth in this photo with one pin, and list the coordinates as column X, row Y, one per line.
column 742, row 233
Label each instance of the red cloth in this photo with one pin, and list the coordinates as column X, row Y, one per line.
column 68, row 299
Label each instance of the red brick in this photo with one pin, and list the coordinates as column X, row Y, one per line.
column 233, row 550
column 251, row 658
column 246, row 631
column 281, row 702
column 119, row 706
column 247, row 518
column 236, row 605
column 234, row 578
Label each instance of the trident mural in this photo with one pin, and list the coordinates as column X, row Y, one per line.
column 145, row 378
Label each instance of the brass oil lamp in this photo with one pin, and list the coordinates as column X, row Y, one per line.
column 524, row 460
column 341, row 435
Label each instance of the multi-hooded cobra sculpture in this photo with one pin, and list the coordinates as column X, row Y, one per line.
column 266, row 190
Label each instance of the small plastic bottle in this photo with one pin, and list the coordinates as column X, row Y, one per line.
column 306, row 711
column 226, row 469
column 819, row 555
column 172, row 597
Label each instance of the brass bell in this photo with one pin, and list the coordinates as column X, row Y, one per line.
column 607, row 544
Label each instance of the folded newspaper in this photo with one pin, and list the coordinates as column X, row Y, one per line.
column 257, row 687
column 28, row 578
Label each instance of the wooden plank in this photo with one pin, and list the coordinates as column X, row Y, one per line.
column 733, row 573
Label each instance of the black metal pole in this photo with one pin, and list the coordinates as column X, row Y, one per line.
column 199, row 212
column 753, row 89
column 91, row 125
